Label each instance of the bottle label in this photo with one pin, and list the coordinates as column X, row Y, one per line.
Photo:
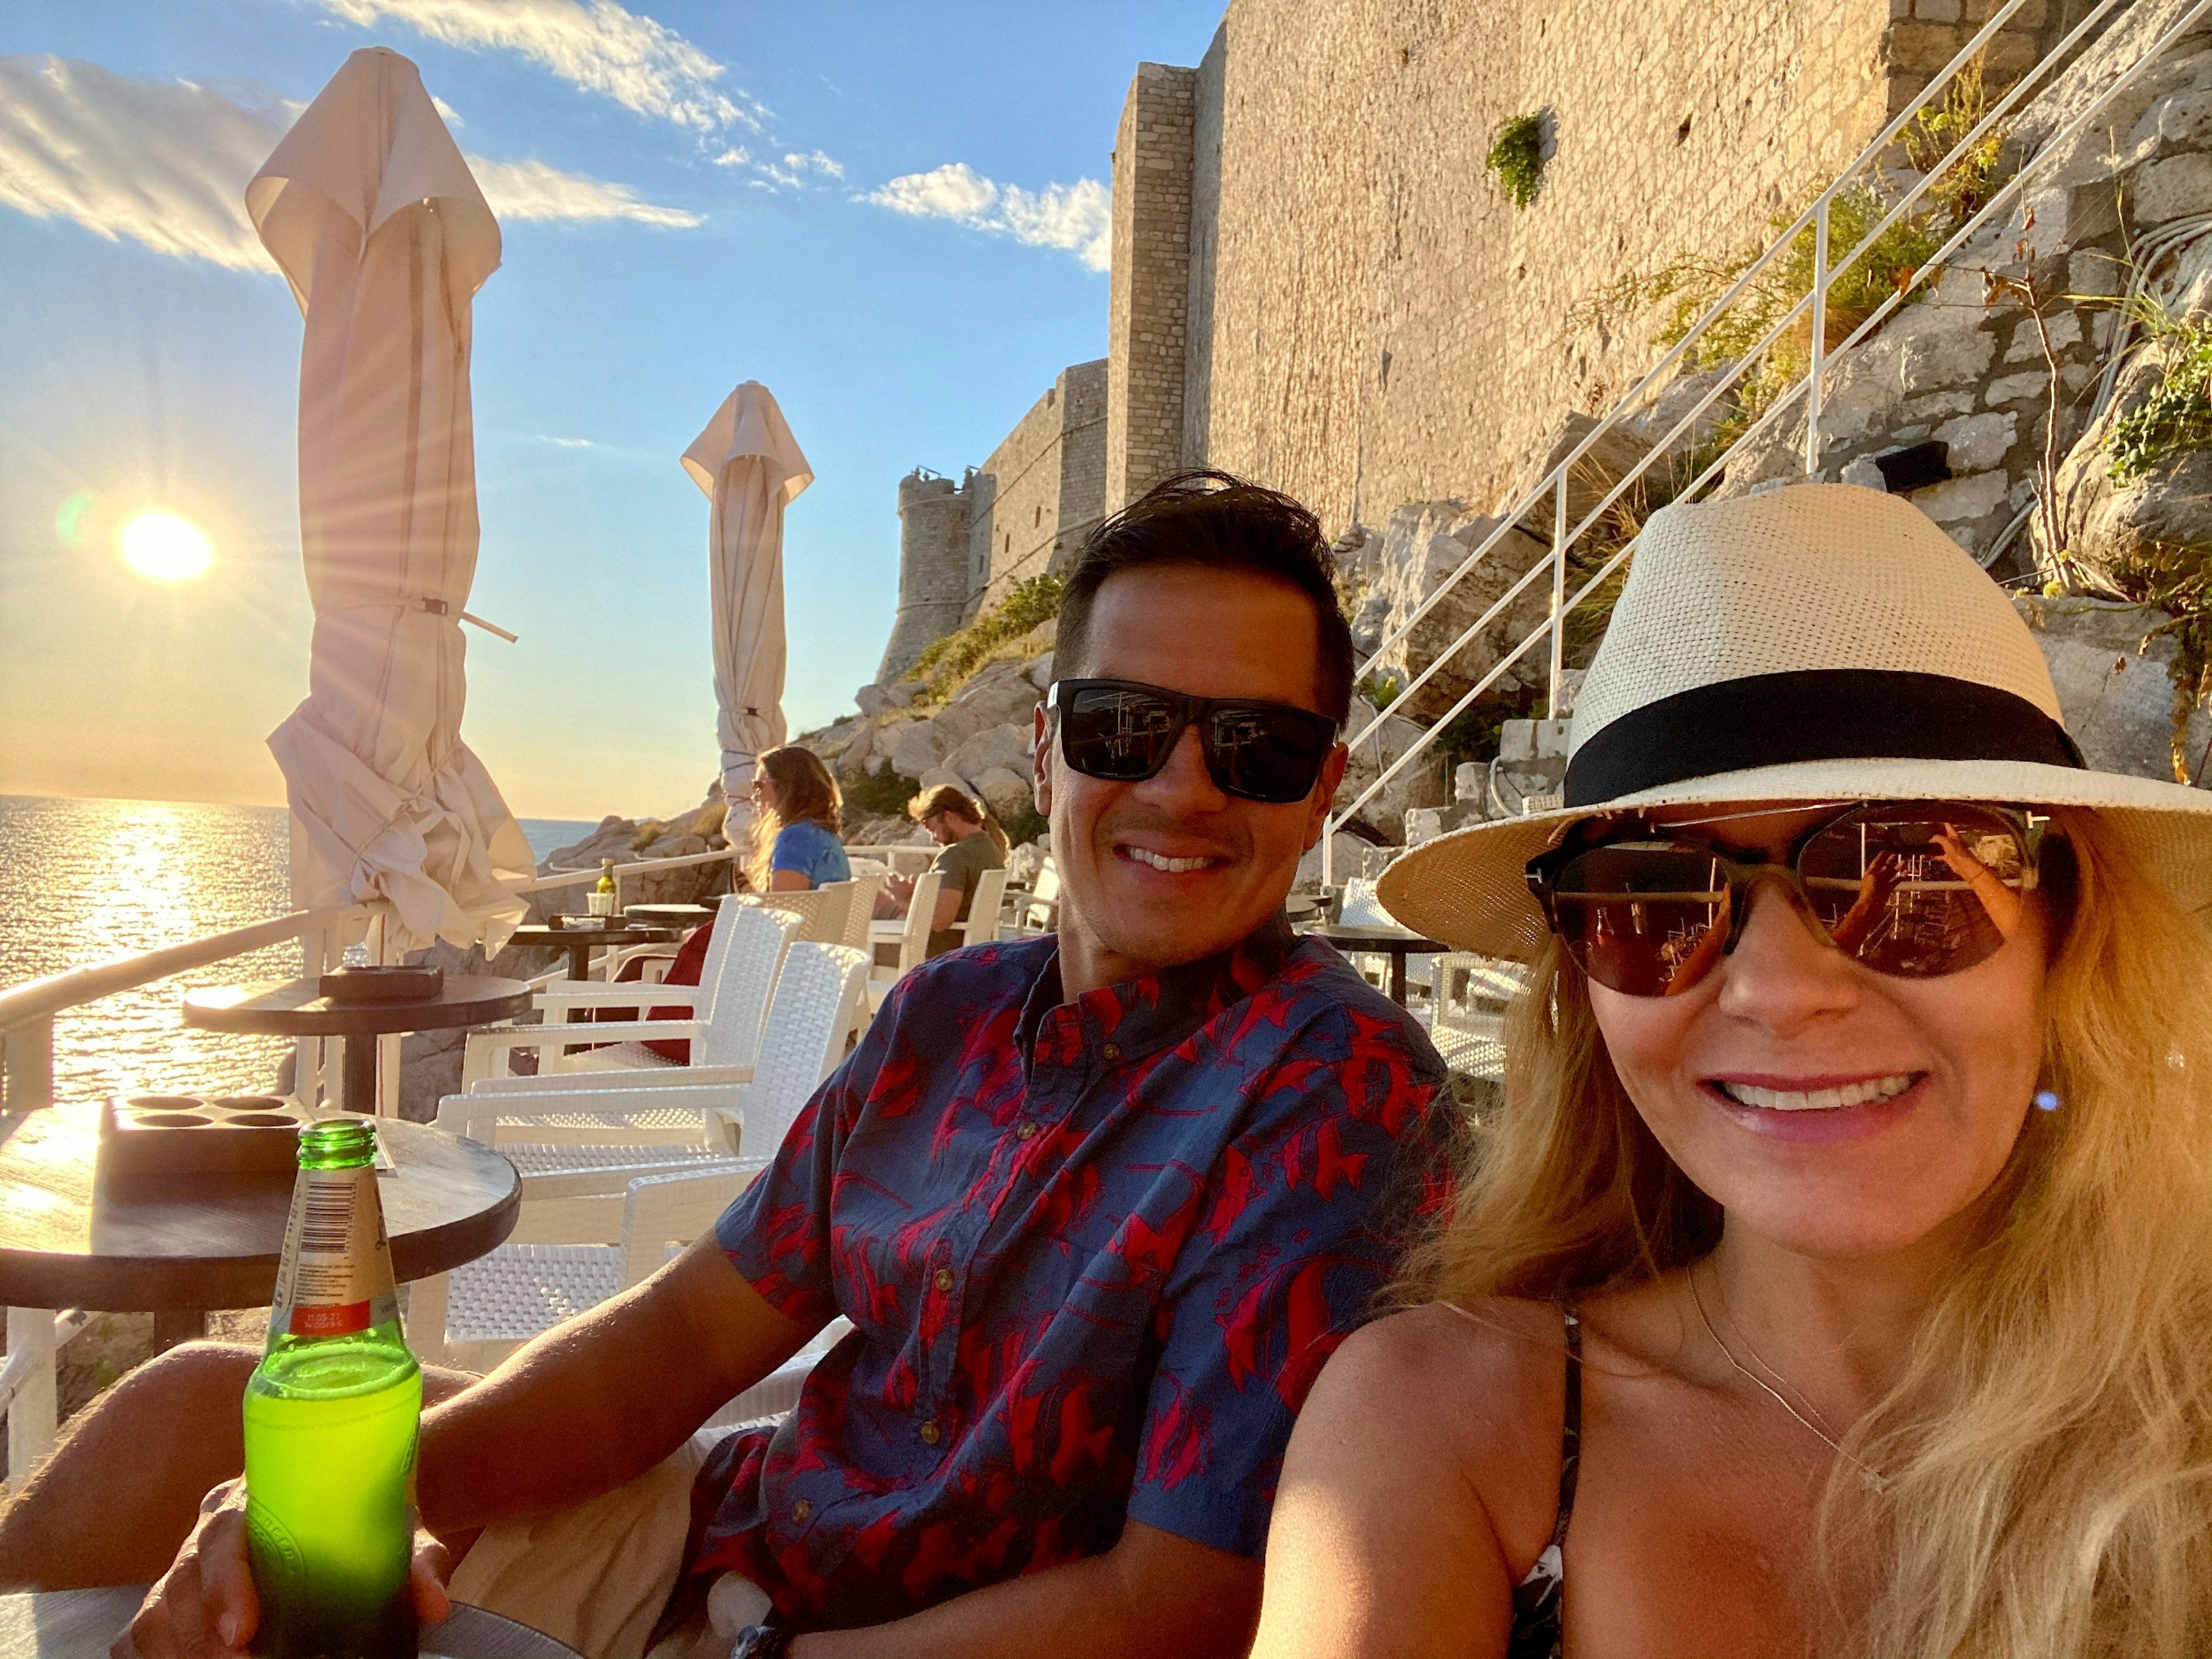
column 336, row 1275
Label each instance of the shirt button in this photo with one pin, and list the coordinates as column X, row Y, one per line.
column 931, row 1434
column 944, row 1279
column 1027, row 1132
column 1112, row 1051
column 801, row 1510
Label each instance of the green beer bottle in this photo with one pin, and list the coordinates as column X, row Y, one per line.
column 331, row 1420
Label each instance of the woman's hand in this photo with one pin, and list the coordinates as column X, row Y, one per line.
column 205, row 1604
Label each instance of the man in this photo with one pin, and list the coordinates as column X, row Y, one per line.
column 971, row 842
column 1100, row 1205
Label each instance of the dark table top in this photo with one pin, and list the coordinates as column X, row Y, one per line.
column 297, row 1007
column 1353, row 936
column 80, row 1624
column 566, row 937
column 73, row 1237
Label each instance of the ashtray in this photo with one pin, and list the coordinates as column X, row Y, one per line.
column 189, row 1134
column 381, row 984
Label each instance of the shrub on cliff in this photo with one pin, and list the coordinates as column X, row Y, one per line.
column 948, row 664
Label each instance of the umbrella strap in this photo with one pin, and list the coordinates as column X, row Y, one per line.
column 431, row 607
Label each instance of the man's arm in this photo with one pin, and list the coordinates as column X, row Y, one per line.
column 584, row 1408
column 1152, row 1592
column 616, row 1389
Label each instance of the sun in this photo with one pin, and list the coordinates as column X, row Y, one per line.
column 166, row 547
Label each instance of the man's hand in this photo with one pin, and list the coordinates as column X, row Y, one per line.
column 205, row 1604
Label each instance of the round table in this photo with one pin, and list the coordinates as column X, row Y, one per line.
column 1396, row 942
column 80, row 1624
column 581, row 942
column 75, row 1236
column 297, row 1008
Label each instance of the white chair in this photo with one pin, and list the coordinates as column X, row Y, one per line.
column 819, row 999
column 823, row 911
column 909, row 938
column 1467, row 1017
column 989, row 897
column 576, row 1152
column 724, row 1034
column 1361, row 909
column 860, row 910
column 481, row 1312
column 1036, row 907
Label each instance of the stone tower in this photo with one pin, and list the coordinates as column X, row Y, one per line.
column 933, row 579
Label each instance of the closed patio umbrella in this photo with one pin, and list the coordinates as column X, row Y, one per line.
column 369, row 211
column 750, row 467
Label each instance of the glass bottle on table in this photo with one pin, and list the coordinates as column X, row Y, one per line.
column 332, row 1415
column 602, row 898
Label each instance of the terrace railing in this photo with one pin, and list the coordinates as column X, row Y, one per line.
column 1551, row 491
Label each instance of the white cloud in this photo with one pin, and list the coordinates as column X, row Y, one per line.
column 593, row 44
column 532, row 189
column 772, row 177
column 814, row 161
column 735, row 156
column 166, row 163
column 570, row 443
column 446, row 113
column 1078, row 216
column 162, row 162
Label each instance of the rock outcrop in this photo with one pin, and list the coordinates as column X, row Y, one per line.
column 979, row 739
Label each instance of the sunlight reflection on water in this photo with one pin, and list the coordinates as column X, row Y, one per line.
column 83, row 881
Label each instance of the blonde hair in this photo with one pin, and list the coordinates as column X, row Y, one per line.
column 2049, row 1446
column 804, row 793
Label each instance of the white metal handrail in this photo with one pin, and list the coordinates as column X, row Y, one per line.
column 1555, row 482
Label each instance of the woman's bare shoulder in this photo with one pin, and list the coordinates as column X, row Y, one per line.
column 1463, row 1404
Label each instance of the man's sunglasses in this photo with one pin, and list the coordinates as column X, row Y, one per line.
column 1123, row 731
column 1916, row 890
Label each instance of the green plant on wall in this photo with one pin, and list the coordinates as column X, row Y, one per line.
column 1516, row 157
column 1687, row 286
column 1963, row 186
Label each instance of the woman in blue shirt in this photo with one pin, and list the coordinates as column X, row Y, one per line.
column 795, row 845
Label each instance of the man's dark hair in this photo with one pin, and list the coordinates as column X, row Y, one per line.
column 1213, row 521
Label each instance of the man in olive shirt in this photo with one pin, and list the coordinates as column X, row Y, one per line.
column 972, row 843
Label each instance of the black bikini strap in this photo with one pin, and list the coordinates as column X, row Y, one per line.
column 1570, row 1427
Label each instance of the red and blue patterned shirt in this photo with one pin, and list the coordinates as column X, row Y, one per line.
column 1096, row 1252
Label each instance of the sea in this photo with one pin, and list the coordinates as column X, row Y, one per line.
column 84, row 881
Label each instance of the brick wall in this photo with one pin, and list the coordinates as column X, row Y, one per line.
column 1150, row 287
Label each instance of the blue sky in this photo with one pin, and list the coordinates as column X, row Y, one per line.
column 889, row 214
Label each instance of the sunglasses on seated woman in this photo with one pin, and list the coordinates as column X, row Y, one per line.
column 1123, row 732
column 1913, row 889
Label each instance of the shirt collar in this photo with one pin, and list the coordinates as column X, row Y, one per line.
column 1139, row 1016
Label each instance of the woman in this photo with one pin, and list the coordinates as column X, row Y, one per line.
column 971, row 842
column 795, row 845
column 1835, row 1279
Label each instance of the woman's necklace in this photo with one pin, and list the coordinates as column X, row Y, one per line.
column 1818, row 1428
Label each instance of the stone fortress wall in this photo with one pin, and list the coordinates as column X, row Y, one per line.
column 1021, row 513
column 1371, row 322
column 1316, row 285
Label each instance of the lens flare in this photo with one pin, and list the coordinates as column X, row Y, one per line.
column 166, row 547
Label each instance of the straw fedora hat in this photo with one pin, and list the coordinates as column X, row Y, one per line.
column 1817, row 642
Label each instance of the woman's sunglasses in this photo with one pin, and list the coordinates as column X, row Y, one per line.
column 1916, row 890
column 1123, row 731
